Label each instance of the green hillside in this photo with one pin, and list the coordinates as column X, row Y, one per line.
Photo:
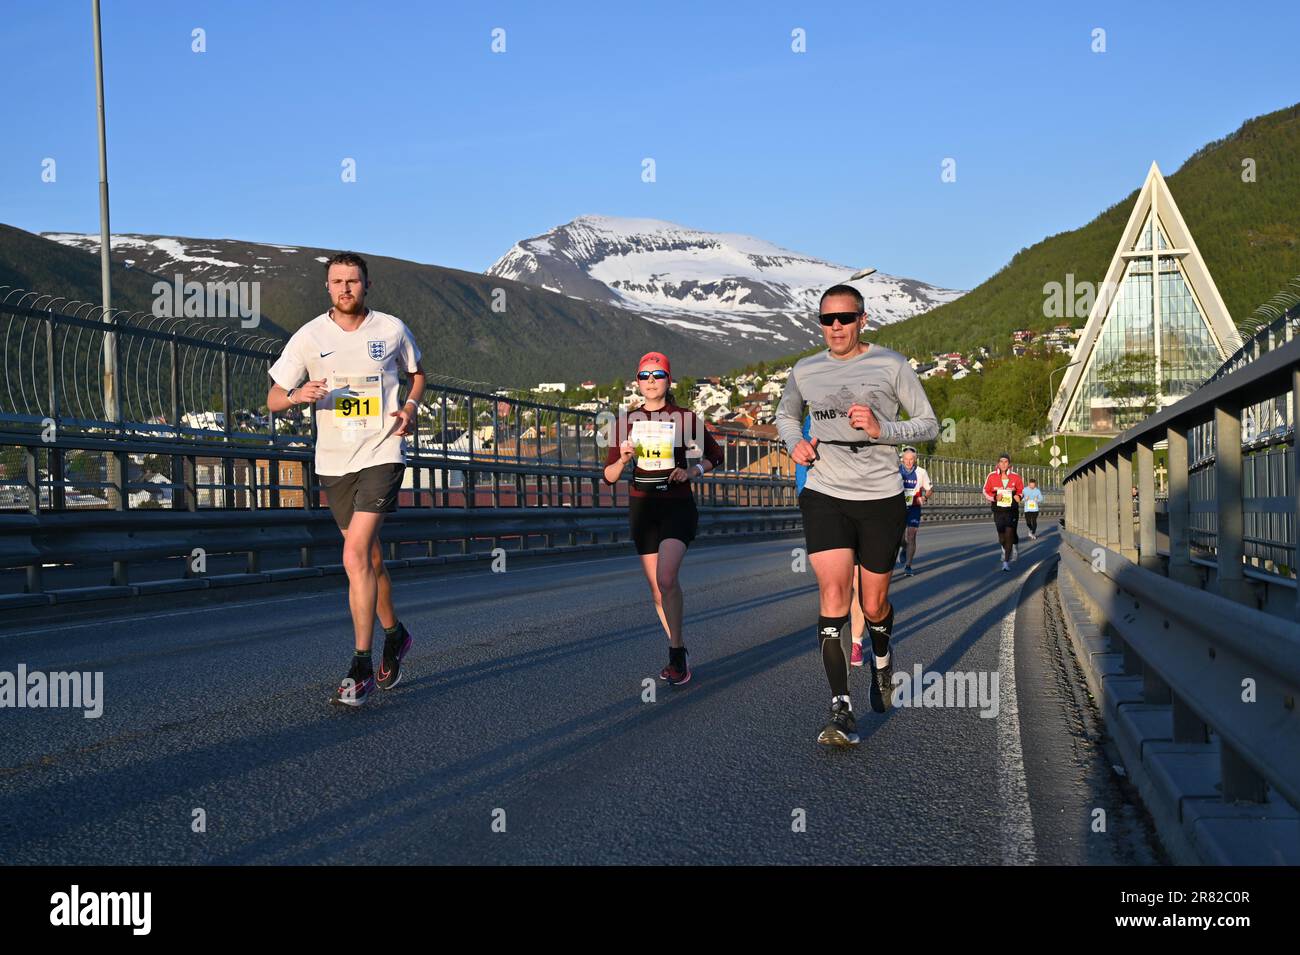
column 1248, row 234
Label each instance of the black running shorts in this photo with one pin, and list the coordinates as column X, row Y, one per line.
column 871, row 529
column 373, row 489
column 656, row 519
column 1005, row 517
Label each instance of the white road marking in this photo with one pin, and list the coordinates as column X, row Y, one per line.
column 1018, row 843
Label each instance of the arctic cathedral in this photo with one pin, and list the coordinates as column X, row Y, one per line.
column 1158, row 316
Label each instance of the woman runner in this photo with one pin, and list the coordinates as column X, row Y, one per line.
column 661, row 435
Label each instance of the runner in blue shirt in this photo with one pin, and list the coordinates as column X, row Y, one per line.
column 1031, row 501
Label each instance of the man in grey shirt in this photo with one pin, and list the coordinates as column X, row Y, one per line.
column 852, row 503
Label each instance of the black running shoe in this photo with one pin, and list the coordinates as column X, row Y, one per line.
column 678, row 671
column 357, row 685
column 841, row 730
column 390, row 664
column 884, row 678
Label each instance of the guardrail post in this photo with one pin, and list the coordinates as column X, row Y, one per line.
column 227, row 464
column 1124, row 478
column 1240, row 782
column 1295, row 481
column 123, row 503
column 1089, row 495
column 1188, row 727
column 1110, row 507
column 308, row 505
column 1180, row 545
column 1147, row 556
column 1229, row 545
column 34, row 585
column 1154, row 689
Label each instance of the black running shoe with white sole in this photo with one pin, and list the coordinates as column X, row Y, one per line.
column 842, row 729
column 390, row 664
column 357, row 685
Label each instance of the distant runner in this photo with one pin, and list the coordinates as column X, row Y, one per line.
column 1033, row 500
column 662, row 436
column 852, row 503
column 1003, row 489
column 351, row 358
column 917, row 489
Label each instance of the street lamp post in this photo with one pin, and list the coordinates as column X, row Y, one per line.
column 1050, row 392
column 111, row 396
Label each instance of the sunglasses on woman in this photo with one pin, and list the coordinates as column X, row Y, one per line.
column 658, row 375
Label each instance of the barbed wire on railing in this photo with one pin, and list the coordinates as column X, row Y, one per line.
column 54, row 365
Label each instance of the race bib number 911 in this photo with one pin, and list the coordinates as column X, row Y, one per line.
column 357, row 401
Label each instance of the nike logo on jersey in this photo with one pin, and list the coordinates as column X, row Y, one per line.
column 326, row 354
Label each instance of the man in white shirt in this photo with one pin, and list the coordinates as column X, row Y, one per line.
column 917, row 489
column 346, row 364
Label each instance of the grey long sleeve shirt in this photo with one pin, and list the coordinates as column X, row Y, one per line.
column 879, row 378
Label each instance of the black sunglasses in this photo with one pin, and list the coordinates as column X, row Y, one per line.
column 845, row 318
column 658, row 374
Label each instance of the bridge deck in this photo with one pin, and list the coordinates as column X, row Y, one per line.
column 524, row 693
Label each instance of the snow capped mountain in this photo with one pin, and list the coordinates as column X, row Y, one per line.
column 204, row 259
column 716, row 285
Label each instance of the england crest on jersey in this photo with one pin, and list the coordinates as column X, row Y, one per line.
column 376, row 349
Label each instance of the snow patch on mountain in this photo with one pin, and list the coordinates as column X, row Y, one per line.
column 712, row 283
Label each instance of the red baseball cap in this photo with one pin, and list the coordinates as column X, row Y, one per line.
column 655, row 358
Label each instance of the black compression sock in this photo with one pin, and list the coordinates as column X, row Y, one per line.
column 394, row 630
column 881, row 631
column 833, row 633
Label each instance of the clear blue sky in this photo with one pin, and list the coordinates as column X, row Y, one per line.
column 460, row 152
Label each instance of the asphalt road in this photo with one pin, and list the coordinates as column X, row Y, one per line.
column 522, row 708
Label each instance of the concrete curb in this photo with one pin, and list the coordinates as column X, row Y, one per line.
column 1179, row 783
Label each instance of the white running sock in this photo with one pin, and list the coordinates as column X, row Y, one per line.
column 836, row 699
column 882, row 662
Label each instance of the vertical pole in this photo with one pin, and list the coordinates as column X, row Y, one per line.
column 1229, row 544
column 33, row 476
column 111, row 397
column 1147, row 504
column 1295, row 478
column 1180, row 544
column 1110, row 505
column 1124, row 478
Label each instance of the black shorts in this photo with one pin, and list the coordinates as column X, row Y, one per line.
column 871, row 529
column 1005, row 517
column 656, row 519
column 373, row 490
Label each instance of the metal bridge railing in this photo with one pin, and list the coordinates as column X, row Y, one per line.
column 1232, row 501
column 1204, row 628
column 192, row 438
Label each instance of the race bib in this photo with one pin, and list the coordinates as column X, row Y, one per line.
column 357, row 401
column 1004, row 496
column 914, row 497
column 1031, row 505
column 655, row 442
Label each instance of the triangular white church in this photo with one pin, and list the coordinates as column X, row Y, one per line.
column 1180, row 320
